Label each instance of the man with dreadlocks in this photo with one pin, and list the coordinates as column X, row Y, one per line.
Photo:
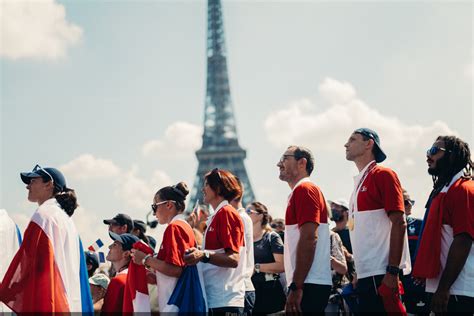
column 445, row 255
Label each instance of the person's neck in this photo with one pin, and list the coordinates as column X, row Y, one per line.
column 292, row 183
column 171, row 216
column 362, row 161
column 257, row 231
column 120, row 265
column 341, row 225
column 215, row 203
column 43, row 199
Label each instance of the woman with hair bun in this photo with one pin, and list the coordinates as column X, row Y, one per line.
column 48, row 273
column 168, row 206
column 222, row 259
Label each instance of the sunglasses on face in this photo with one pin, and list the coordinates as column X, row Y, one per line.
column 250, row 211
column 154, row 206
column 435, row 149
column 38, row 167
column 409, row 202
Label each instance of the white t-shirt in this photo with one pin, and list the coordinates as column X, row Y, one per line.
column 249, row 258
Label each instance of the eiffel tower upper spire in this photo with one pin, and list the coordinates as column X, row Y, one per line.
column 219, row 122
column 220, row 146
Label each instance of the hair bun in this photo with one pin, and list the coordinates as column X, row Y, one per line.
column 182, row 189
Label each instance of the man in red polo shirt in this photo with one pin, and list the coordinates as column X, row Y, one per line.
column 376, row 222
column 445, row 255
column 306, row 246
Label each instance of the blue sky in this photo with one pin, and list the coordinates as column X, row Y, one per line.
column 112, row 92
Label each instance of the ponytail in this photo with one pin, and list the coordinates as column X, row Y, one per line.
column 67, row 199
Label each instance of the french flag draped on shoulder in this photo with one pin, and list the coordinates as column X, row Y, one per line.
column 136, row 288
column 48, row 273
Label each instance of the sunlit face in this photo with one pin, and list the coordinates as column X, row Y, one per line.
column 355, row 146
column 434, row 165
column 288, row 166
column 115, row 252
column 117, row 228
column 208, row 193
column 255, row 216
column 38, row 190
column 164, row 210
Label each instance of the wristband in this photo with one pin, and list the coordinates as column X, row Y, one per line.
column 145, row 258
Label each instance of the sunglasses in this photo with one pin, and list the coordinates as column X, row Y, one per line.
column 154, row 206
column 250, row 211
column 284, row 157
column 39, row 168
column 409, row 202
column 435, row 149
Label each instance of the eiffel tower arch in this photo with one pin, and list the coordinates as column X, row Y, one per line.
column 220, row 144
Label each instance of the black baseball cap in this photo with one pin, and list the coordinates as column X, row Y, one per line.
column 367, row 132
column 127, row 240
column 139, row 225
column 120, row 219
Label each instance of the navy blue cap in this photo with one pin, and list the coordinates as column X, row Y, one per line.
column 47, row 174
column 379, row 154
column 127, row 240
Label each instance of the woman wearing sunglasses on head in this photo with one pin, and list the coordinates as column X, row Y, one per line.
column 222, row 256
column 268, row 253
column 48, row 273
column 168, row 206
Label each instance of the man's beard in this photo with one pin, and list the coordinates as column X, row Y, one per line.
column 441, row 165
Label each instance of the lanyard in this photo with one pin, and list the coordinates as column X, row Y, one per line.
column 356, row 192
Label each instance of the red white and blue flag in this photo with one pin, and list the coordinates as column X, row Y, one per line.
column 48, row 273
column 96, row 246
column 136, row 287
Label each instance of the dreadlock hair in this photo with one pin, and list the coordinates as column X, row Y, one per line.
column 459, row 158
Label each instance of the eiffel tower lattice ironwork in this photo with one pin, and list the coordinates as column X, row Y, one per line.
column 220, row 146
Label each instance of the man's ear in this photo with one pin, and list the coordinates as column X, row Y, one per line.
column 370, row 144
column 126, row 254
column 302, row 162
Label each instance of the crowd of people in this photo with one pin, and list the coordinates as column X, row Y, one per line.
column 225, row 257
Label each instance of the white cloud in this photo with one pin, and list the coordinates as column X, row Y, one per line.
column 337, row 92
column 86, row 167
column 36, row 29
column 134, row 191
column 328, row 130
column 180, row 139
column 325, row 131
column 21, row 220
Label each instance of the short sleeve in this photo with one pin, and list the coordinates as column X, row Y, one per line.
column 230, row 231
column 390, row 190
column 173, row 246
column 307, row 204
column 461, row 209
column 276, row 243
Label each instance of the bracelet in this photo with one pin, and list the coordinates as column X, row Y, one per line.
column 144, row 260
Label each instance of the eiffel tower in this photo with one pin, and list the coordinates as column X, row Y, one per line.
column 220, row 146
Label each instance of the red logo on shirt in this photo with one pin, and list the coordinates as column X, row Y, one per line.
column 363, row 189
